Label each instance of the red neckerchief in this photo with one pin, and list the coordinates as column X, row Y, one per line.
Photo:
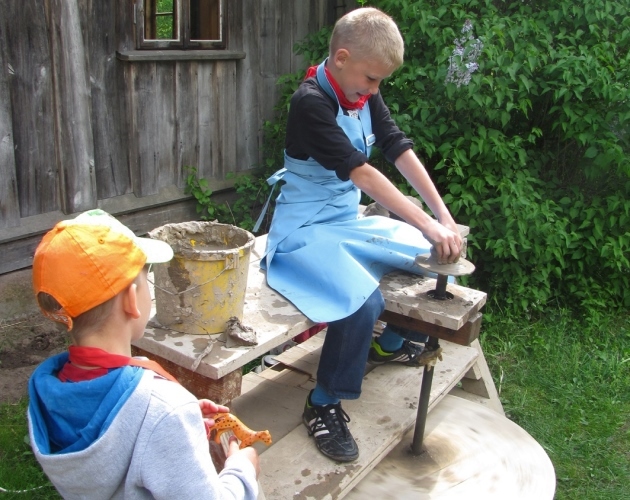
column 343, row 100
column 102, row 361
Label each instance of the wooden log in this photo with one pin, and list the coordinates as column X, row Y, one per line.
column 464, row 336
column 75, row 143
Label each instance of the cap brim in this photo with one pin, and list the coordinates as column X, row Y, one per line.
column 157, row 251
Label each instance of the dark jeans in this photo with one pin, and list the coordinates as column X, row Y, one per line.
column 346, row 347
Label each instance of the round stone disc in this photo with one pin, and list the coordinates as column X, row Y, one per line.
column 471, row 452
column 429, row 262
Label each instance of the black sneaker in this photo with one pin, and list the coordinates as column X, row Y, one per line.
column 327, row 425
column 410, row 354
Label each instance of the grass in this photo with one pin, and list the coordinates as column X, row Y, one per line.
column 565, row 381
column 18, row 468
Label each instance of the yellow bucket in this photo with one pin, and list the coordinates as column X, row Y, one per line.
column 204, row 285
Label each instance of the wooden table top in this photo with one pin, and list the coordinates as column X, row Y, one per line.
column 276, row 320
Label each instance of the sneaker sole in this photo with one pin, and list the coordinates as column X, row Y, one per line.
column 425, row 358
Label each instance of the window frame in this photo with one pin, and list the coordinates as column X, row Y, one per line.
column 181, row 11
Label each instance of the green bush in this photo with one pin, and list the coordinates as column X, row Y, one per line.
column 532, row 153
column 527, row 141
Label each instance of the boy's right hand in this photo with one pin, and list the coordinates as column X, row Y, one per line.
column 250, row 453
column 446, row 241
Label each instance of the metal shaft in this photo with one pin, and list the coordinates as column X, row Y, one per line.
column 440, row 287
column 423, row 403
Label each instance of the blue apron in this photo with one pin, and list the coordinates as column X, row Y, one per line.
column 320, row 255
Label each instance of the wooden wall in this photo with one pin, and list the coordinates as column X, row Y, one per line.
column 82, row 126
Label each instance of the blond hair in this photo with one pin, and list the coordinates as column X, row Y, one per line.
column 369, row 33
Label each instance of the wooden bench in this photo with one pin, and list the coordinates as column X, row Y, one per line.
column 276, row 321
column 274, row 398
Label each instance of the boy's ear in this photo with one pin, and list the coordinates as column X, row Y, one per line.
column 340, row 57
column 129, row 298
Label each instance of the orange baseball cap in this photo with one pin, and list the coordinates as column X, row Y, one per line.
column 84, row 262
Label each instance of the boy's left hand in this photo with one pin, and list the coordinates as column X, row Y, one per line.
column 209, row 408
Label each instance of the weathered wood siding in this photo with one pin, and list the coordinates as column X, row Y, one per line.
column 80, row 127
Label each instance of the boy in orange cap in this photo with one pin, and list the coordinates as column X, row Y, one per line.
column 103, row 424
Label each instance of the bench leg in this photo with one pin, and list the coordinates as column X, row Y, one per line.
column 478, row 382
column 423, row 402
column 221, row 391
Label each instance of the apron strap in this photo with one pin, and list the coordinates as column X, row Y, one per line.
column 272, row 181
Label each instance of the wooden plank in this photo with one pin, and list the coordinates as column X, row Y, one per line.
column 164, row 134
column 18, row 244
column 179, row 55
column 288, row 375
column 484, row 385
column 248, row 89
column 206, row 125
column 30, row 80
column 304, row 357
column 145, row 122
column 226, row 125
column 464, row 336
column 75, row 143
column 123, row 12
column 272, row 404
column 286, row 27
column 9, row 205
column 267, row 48
column 108, row 111
column 18, row 253
column 186, row 119
column 406, row 294
column 386, row 410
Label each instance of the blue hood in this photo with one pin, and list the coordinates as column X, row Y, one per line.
column 69, row 416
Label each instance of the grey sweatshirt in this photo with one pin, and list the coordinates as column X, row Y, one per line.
column 154, row 446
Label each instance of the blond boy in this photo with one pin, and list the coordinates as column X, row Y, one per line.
column 103, row 424
column 321, row 254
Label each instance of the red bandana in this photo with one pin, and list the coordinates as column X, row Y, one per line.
column 343, row 100
column 101, row 361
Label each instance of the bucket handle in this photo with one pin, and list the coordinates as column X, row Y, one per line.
column 231, row 261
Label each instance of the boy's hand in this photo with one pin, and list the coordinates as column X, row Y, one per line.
column 446, row 241
column 250, row 453
column 209, row 408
